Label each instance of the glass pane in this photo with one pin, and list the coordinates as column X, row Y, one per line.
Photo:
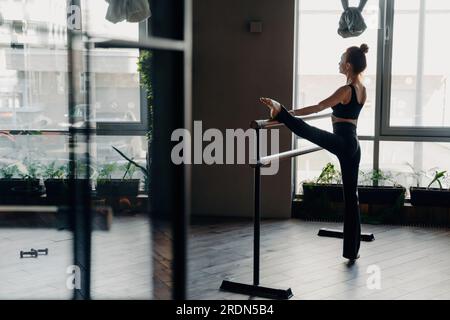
column 33, row 65
column 419, row 90
column 415, row 163
column 309, row 166
column 115, row 86
column 28, row 220
column 97, row 25
column 319, row 51
column 122, row 256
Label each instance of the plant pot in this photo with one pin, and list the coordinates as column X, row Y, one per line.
column 117, row 188
column 430, row 197
column 333, row 192
column 388, row 195
column 58, row 190
column 367, row 194
column 15, row 191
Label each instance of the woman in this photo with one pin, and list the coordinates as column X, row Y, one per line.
column 346, row 103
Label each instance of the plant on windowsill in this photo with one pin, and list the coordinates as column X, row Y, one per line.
column 30, row 172
column 56, row 183
column 114, row 188
column 327, row 184
column 320, row 195
column 383, row 195
column 380, row 187
column 24, row 183
column 8, row 179
column 429, row 196
column 135, row 165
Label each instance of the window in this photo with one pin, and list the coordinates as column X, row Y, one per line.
column 417, row 91
column 409, row 116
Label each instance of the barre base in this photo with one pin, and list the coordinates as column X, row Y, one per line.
column 256, row 291
column 324, row 232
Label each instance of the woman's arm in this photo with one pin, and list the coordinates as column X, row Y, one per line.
column 338, row 96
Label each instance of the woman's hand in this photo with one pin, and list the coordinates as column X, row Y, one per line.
column 273, row 105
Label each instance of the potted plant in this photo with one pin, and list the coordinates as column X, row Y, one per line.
column 144, row 171
column 7, row 181
column 29, row 173
column 126, row 186
column 56, row 183
column 428, row 196
column 326, row 192
column 321, row 196
column 20, row 182
column 375, row 189
column 328, row 185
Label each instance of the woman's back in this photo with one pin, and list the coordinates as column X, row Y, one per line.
column 351, row 109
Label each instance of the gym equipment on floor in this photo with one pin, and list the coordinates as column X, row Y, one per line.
column 33, row 253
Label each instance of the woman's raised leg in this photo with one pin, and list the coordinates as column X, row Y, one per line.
column 327, row 140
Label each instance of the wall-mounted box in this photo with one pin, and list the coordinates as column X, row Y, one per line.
column 255, row 26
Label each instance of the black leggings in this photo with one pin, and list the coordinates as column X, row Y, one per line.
column 344, row 143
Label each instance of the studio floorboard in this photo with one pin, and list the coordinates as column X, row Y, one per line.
column 413, row 261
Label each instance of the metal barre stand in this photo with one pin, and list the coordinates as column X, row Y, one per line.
column 255, row 289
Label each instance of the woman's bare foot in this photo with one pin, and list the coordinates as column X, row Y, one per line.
column 273, row 105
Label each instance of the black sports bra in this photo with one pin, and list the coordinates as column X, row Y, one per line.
column 350, row 110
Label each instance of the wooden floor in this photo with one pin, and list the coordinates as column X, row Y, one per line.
column 414, row 262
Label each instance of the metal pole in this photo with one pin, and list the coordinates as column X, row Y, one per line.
column 80, row 193
column 257, row 218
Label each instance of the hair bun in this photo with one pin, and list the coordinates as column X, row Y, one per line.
column 364, row 48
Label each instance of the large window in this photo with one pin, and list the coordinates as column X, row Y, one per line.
column 407, row 113
column 420, row 94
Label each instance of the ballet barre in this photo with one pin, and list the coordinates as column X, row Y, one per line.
column 267, row 160
column 256, row 289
